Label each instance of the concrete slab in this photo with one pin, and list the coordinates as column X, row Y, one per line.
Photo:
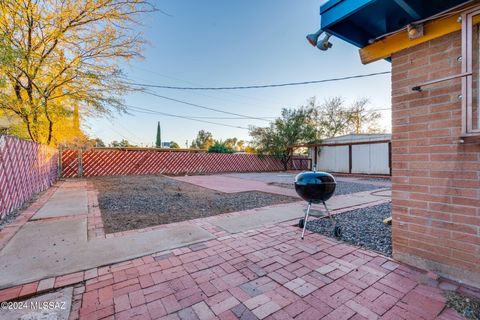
column 234, row 184
column 74, row 183
column 253, row 219
column 43, row 249
column 52, row 306
column 41, row 240
column 289, row 177
column 256, row 218
column 66, row 201
column 267, row 177
column 221, row 183
column 383, row 193
column 355, row 199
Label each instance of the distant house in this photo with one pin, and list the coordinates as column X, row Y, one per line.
column 165, row 145
column 353, row 154
column 434, row 49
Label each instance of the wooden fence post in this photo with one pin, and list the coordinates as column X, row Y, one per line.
column 350, row 161
column 80, row 163
column 59, row 165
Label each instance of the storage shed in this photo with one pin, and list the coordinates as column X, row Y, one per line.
column 353, row 154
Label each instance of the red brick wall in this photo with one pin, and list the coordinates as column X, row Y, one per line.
column 436, row 179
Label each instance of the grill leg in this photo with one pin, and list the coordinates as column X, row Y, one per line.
column 332, row 219
column 305, row 219
column 336, row 230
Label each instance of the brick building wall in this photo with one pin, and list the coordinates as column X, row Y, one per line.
column 436, row 179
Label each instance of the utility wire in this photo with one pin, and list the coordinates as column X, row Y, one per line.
column 260, row 86
column 263, row 101
column 127, row 130
column 203, row 107
column 231, row 118
column 150, row 111
column 120, row 134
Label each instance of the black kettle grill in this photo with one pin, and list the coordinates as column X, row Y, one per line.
column 316, row 187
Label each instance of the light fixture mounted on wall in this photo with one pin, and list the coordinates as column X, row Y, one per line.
column 415, row 31
column 324, row 44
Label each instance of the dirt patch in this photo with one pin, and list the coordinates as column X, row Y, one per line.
column 135, row 202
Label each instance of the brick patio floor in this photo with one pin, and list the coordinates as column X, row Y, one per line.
column 263, row 274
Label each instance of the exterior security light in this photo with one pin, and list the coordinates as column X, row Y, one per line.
column 313, row 37
column 323, row 45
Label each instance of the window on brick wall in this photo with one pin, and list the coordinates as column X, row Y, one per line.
column 471, row 67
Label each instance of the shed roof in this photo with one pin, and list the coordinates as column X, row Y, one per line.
column 359, row 21
column 352, row 137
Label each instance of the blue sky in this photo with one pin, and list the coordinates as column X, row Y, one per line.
column 225, row 43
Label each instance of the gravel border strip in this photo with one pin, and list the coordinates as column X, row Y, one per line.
column 362, row 227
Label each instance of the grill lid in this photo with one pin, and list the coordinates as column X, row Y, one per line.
column 315, row 186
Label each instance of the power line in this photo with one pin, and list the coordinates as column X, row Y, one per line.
column 263, row 101
column 150, row 111
column 231, row 118
column 263, row 86
column 120, row 134
column 203, row 107
column 127, row 130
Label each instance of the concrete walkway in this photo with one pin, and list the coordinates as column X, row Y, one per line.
column 234, row 184
column 289, row 177
column 255, row 218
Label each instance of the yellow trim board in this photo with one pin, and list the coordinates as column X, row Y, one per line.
column 384, row 48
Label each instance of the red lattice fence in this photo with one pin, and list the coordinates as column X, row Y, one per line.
column 121, row 162
column 26, row 168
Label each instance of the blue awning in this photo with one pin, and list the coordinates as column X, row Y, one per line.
column 358, row 21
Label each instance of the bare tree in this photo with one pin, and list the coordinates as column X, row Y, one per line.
column 335, row 118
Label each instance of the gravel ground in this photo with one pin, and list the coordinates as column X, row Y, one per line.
column 467, row 307
column 361, row 227
column 377, row 179
column 343, row 187
column 135, row 202
column 9, row 218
